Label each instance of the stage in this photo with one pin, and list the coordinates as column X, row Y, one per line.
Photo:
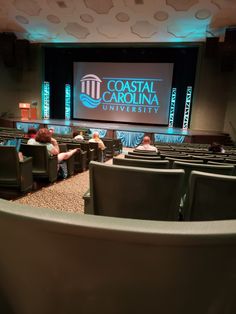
column 121, row 130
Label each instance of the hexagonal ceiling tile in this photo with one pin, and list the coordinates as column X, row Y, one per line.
column 180, row 29
column 203, row 14
column 99, row 6
column 122, row 17
column 109, row 30
column 144, row 29
column 86, row 18
column 161, row 16
column 181, row 5
column 76, row 30
column 21, row 19
column 53, row 19
column 29, row 7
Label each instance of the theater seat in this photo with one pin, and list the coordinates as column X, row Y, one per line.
column 210, row 197
column 13, row 172
column 44, row 166
column 66, row 263
column 132, row 192
column 155, row 164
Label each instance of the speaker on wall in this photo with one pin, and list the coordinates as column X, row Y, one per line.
column 212, row 47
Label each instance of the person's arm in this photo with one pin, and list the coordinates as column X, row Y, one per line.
column 55, row 148
column 102, row 145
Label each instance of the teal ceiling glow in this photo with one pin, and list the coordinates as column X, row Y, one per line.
column 120, row 21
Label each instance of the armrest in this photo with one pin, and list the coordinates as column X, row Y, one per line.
column 87, row 203
column 26, row 175
column 70, row 165
column 52, row 168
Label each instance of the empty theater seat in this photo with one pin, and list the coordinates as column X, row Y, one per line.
column 55, row 262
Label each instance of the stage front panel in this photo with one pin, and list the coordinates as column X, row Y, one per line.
column 124, row 92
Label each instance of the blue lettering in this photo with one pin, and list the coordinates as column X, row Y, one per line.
column 108, row 85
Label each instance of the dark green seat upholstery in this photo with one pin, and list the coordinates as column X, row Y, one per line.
column 44, row 166
column 148, row 157
column 14, row 173
column 210, row 197
column 80, row 158
column 131, row 192
column 65, row 263
column 188, row 167
column 156, row 164
column 90, row 152
column 138, row 152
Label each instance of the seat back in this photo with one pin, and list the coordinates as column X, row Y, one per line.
column 53, row 262
column 94, row 145
column 110, row 147
column 9, row 166
column 188, row 167
column 148, row 157
column 139, row 152
column 44, row 166
column 39, row 156
column 156, row 164
column 132, row 192
column 80, row 158
column 210, row 197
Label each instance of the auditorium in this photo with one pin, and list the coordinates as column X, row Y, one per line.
column 117, row 156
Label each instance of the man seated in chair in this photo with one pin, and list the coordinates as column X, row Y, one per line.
column 146, row 145
column 96, row 139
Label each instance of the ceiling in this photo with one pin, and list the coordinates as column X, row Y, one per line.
column 85, row 21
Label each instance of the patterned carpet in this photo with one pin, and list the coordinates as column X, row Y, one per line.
column 65, row 195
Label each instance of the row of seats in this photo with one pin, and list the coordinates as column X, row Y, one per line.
column 147, row 193
column 57, row 262
column 152, row 156
column 37, row 164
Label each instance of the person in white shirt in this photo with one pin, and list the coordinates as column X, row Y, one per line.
column 78, row 136
column 96, row 139
column 146, row 145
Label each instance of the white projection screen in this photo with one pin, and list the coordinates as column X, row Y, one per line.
column 122, row 92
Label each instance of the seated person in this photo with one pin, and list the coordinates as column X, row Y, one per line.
column 44, row 137
column 146, row 145
column 51, row 130
column 96, row 139
column 78, row 136
column 216, row 148
column 31, row 134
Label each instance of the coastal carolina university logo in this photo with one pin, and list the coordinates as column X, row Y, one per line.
column 90, row 91
column 120, row 93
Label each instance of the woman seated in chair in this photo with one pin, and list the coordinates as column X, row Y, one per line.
column 44, row 137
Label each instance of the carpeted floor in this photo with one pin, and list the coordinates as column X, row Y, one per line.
column 65, row 195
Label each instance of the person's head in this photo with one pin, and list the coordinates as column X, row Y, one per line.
column 43, row 136
column 75, row 133
column 51, row 130
column 31, row 133
column 95, row 135
column 215, row 147
column 146, row 140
